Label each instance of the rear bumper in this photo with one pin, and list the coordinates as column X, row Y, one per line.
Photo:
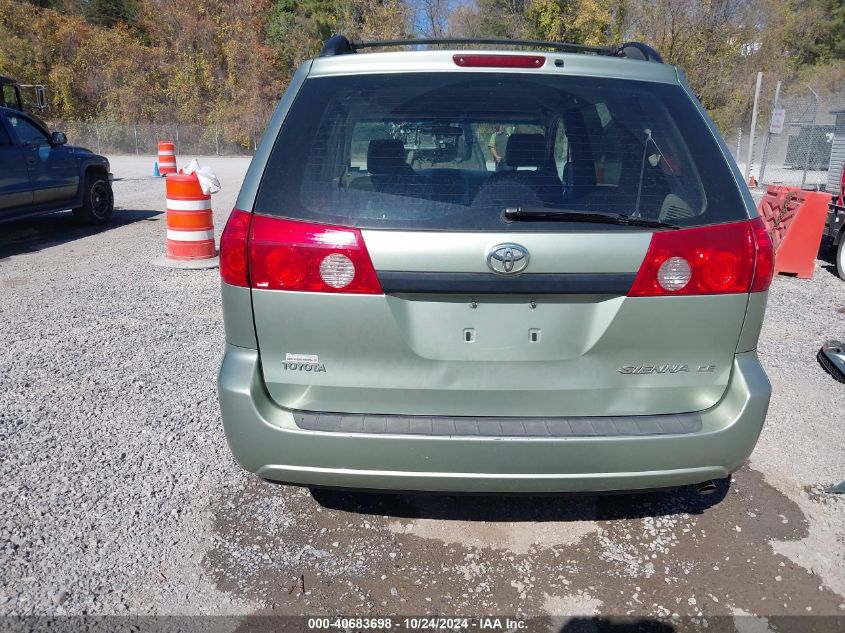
column 264, row 439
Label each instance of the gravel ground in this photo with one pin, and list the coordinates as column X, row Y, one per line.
column 120, row 495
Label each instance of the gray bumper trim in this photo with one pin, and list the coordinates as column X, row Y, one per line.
column 677, row 424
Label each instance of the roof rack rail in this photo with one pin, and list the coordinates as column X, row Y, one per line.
column 340, row 45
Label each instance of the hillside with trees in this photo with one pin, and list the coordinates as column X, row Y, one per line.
column 209, row 62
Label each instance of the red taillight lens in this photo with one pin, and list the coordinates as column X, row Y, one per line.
column 765, row 265
column 233, row 255
column 721, row 259
column 499, row 61
column 292, row 255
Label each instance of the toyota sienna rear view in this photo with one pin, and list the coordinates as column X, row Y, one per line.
column 507, row 270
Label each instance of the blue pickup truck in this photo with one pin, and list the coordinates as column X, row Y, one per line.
column 40, row 173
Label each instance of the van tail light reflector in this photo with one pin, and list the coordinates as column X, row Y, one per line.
column 719, row 259
column 234, row 264
column 292, row 255
column 674, row 273
column 499, row 61
column 337, row 270
column 764, row 267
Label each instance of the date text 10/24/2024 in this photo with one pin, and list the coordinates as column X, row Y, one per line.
column 422, row 623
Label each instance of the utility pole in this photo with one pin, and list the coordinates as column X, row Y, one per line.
column 753, row 125
column 765, row 155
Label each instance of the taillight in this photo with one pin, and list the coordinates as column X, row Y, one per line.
column 765, row 265
column 233, row 255
column 499, row 61
column 720, row 259
column 292, row 255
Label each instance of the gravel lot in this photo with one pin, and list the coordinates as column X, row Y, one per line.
column 120, row 495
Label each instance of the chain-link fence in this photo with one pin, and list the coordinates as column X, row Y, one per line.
column 108, row 137
column 798, row 142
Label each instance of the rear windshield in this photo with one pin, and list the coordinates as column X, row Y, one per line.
column 451, row 151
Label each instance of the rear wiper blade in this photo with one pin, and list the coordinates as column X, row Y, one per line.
column 568, row 215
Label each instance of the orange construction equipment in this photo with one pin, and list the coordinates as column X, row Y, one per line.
column 190, row 228
column 166, row 157
column 772, row 208
column 795, row 219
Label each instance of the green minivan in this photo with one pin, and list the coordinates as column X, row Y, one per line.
column 519, row 268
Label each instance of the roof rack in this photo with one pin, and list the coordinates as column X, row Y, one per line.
column 340, row 45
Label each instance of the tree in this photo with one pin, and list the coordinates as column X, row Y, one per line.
column 464, row 21
column 296, row 29
column 225, row 64
column 501, row 18
column 432, row 17
column 819, row 35
column 576, row 21
column 109, row 13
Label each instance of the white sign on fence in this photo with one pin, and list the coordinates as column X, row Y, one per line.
column 778, row 117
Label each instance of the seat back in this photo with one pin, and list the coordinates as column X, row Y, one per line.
column 386, row 164
column 525, row 150
column 529, row 150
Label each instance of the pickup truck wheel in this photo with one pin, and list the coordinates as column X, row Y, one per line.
column 97, row 200
column 840, row 258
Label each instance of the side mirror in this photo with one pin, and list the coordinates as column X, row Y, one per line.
column 58, row 138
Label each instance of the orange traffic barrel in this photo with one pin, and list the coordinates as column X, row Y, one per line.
column 166, row 157
column 190, row 228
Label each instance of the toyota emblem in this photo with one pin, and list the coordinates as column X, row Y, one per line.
column 507, row 259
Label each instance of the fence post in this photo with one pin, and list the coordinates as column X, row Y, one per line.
column 738, row 142
column 178, row 151
column 217, row 139
column 135, row 129
column 812, row 136
column 765, row 157
column 97, row 132
column 753, row 126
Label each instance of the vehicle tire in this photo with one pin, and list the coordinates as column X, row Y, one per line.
column 840, row 258
column 97, row 200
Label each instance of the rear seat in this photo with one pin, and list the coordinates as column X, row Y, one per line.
column 526, row 150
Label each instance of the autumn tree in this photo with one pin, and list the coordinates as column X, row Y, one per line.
column 579, row 21
column 225, row 64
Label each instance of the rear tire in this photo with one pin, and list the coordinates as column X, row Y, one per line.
column 97, row 200
column 840, row 258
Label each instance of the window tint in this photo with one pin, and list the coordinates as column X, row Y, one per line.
column 452, row 150
column 28, row 133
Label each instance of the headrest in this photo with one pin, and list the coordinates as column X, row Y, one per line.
column 525, row 150
column 386, row 156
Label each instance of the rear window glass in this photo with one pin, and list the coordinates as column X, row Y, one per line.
column 451, row 151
